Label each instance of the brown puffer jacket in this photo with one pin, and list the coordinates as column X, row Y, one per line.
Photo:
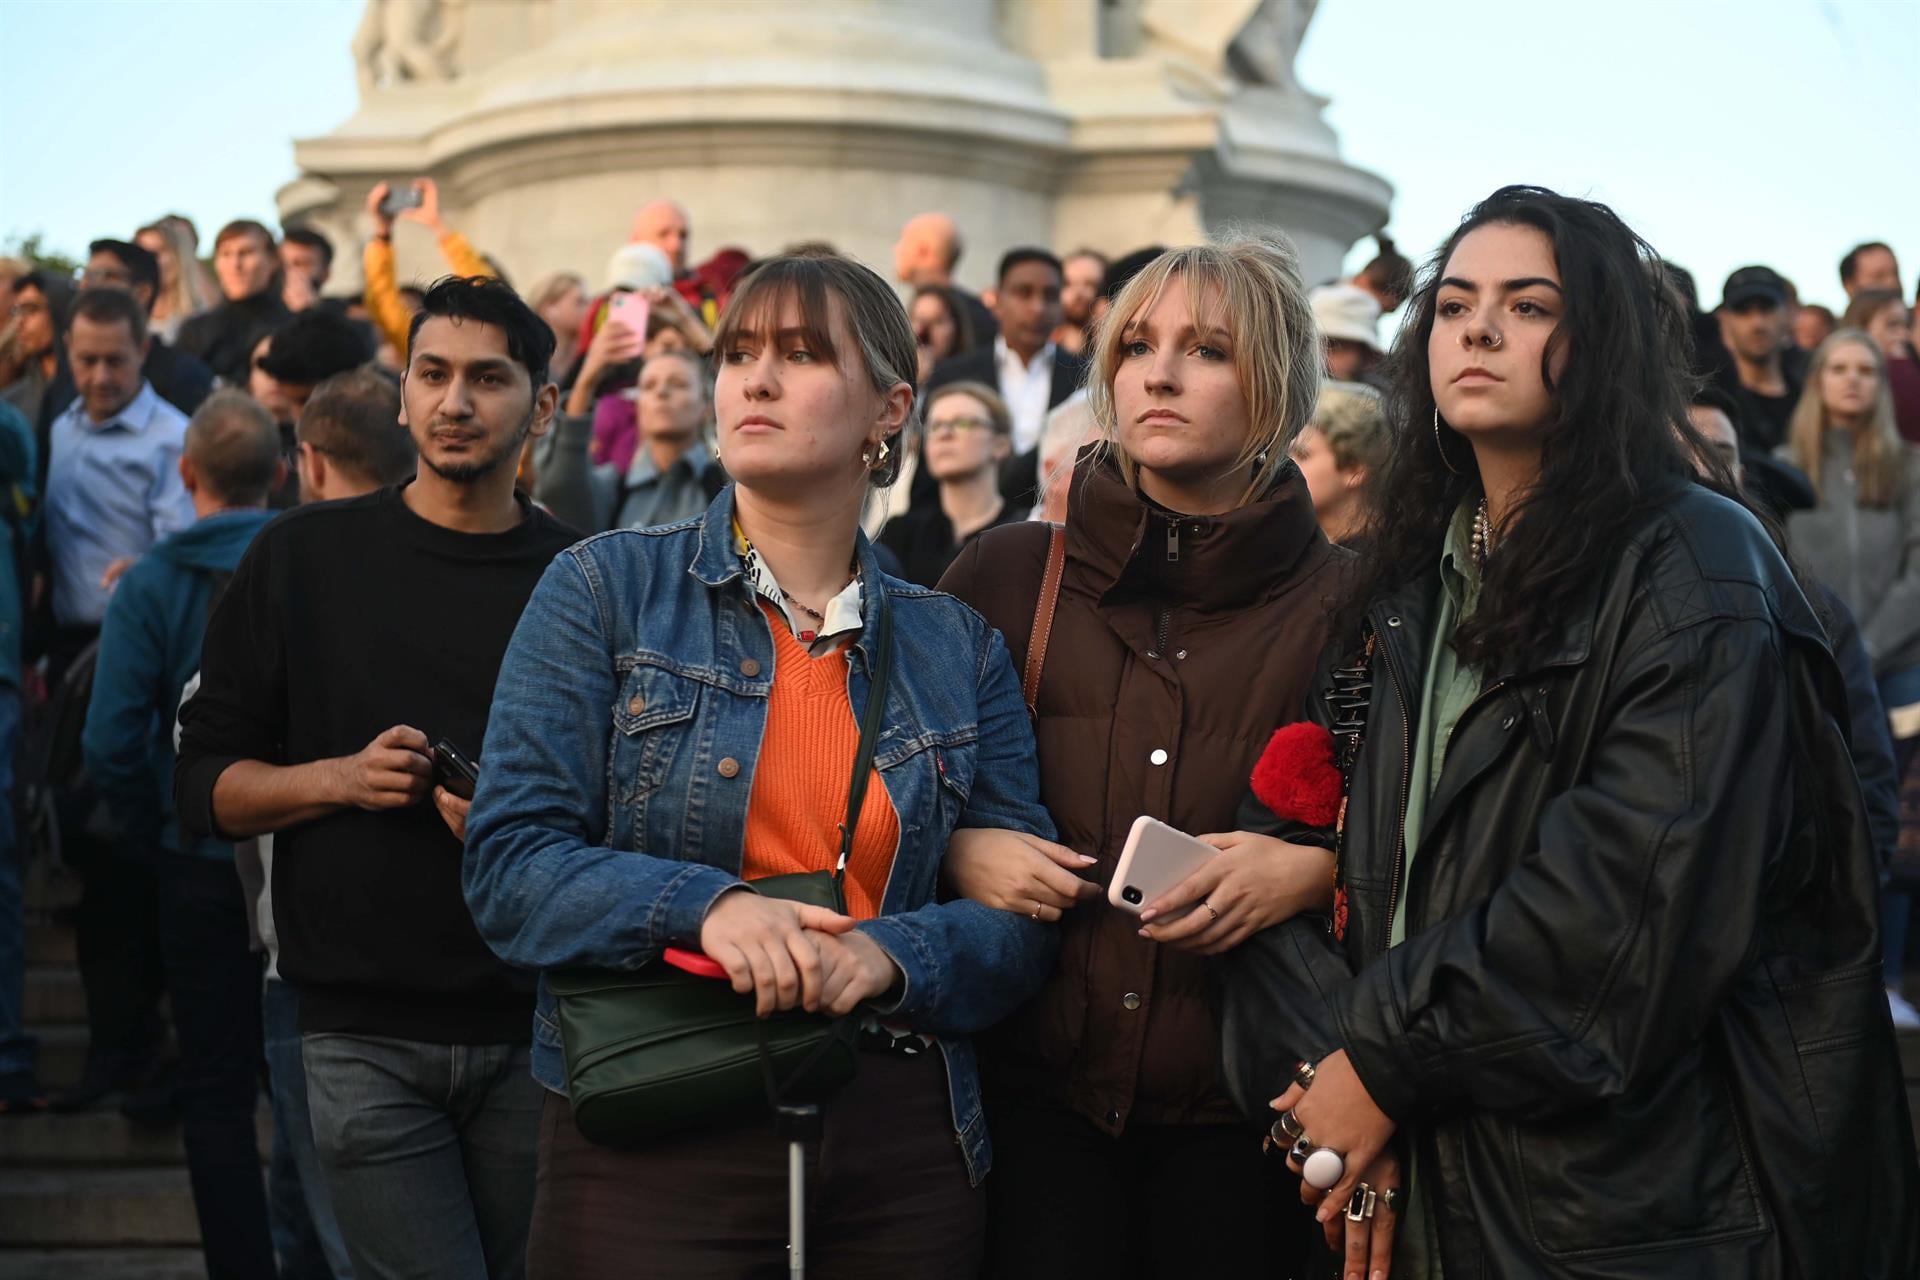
column 1179, row 642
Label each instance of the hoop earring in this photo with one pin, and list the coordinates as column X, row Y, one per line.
column 1438, row 444
column 874, row 459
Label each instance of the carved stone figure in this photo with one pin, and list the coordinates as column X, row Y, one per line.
column 407, row 40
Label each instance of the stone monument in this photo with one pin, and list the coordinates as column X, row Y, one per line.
column 1108, row 123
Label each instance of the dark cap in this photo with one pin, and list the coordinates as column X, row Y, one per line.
column 315, row 345
column 1754, row 284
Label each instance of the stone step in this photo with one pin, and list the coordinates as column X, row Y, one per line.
column 50, row 944
column 54, row 995
column 63, row 1055
column 102, row 1264
column 97, row 1208
column 99, row 1139
column 50, row 888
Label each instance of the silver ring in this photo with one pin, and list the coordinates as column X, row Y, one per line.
column 1301, row 1149
column 1212, row 915
column 1289, row 1123
column 1323, row 1169
column 1361, row 1204
column 1391, row 1198
column 1036, row 915
column 1303, row 1075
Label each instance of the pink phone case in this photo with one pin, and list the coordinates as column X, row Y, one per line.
column 631, row 310
column 1156, row 858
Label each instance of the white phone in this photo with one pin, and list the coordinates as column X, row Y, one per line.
column 1155, row 859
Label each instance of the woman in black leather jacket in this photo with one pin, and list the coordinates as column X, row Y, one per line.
column 1600, row 992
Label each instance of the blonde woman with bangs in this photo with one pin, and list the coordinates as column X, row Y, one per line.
column 1862, row 540
column 1190, row 614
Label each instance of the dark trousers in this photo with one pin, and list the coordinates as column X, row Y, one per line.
column 117, row 936
column 887, row 1193
column 1066, row 1200
column 116, row 932
column 215, row 981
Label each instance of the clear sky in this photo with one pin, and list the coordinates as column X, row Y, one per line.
column 1726, row 131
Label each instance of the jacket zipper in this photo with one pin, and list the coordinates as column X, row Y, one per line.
column 1173, row 541
column 1162, row 632
column 1406, row 786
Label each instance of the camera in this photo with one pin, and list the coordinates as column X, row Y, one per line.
column 1131, row 894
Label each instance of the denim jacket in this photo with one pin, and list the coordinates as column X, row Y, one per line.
column 619, row 759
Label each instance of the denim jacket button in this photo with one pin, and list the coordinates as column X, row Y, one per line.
column 749, row 667
column 729, row 768
column 636, row 704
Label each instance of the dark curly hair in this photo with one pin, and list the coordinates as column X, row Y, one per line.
column 1618, row 437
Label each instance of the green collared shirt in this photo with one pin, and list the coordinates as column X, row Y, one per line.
column 1449, row 688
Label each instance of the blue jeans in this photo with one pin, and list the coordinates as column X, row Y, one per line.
column 305, row 1235
column 429, row 1151
column 16, row 1047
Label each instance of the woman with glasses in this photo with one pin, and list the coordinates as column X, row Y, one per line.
column 969, row 434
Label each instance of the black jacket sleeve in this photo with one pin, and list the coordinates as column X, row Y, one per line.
column 1276, row 989
column 239, row 711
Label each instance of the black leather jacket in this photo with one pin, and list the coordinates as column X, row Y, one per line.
column 1637, row 1027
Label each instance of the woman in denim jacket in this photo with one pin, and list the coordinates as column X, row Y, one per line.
column 676, row 717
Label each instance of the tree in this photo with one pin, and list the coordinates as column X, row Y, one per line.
column 32, row 247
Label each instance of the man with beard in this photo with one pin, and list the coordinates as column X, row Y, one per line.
column 353, row 637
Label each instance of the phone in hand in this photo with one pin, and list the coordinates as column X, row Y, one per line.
column 631, row 310
column 453, row 770
column 1156, row 858
column 401, row 195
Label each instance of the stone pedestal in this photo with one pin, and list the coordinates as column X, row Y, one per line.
column 1056, row 122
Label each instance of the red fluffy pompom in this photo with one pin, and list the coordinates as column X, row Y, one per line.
column 1296, row 777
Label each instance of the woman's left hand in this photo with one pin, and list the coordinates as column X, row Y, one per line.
column 854, row 968
column 1337, row 1113
column 1254, row 882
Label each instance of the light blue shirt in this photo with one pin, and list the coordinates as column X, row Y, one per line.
column 113, row 490
column 655, row 497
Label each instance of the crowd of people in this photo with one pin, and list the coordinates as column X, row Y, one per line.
column 435, row 688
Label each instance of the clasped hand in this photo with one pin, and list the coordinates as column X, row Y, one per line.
column 791, row 955
column 1254, row 882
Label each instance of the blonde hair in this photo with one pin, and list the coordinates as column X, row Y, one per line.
column 999, row 417
column 1879, row 452
column 189, row 294
column 549, row 289
column 1250, row 287
column 1353, row 422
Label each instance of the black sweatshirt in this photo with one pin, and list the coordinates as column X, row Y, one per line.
column 344, row 620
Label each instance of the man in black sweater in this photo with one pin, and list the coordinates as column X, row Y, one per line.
column 248, row 268
column 353, row 637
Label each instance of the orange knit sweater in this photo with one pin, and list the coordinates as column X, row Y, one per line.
column 800, row 784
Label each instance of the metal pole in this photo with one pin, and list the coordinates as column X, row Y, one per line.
column 796, row 1209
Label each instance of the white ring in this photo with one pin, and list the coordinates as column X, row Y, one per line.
column 1323, row 1169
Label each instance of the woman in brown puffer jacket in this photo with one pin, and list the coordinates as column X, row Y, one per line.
column 1191, row 611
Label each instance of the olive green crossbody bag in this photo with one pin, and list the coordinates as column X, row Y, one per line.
column 658, row 1051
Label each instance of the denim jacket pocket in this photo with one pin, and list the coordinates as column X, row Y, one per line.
column 652, row 717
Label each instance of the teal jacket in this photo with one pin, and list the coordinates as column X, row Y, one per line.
column 149, row 649
column 17, row 471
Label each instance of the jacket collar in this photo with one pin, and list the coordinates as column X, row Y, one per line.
column 716, row 563
column 1127, row 547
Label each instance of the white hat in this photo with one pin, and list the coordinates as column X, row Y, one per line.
column 639, row 266
column 1346, row 312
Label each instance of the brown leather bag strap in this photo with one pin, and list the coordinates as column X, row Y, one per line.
column 1043, row 618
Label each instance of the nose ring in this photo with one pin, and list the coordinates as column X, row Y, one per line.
column 1493, row 341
